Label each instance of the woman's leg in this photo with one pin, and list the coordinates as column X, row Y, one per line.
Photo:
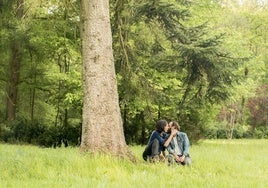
column 155, row 148
column 152, row 150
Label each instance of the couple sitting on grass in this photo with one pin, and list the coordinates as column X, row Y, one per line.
column 168, row 135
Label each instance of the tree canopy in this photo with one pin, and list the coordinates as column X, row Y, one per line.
column 202, row 63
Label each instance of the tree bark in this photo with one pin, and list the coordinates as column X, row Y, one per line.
column 14, row 76
column 102, row 127
column 14, row 73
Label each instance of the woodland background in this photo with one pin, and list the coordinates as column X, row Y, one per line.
column 202, row 63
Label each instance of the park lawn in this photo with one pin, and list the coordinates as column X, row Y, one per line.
column 215, row 163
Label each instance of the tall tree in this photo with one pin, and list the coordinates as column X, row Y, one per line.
column 15, row 64
column 102, row 128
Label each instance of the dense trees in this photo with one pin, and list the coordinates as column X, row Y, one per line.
column 197, row 62
column 49, row 86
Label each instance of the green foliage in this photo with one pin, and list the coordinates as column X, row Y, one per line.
column 50, row 86
column 258, row 107
column 21, row 131
column 261, row 132
column 168, row 65
column 180, row 60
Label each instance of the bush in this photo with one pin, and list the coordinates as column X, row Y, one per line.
column 5, row 133
column 248, row 134
column 211, row 133
column 238, row 131
column 260, row 132
column 21, row 131
column 221, row 134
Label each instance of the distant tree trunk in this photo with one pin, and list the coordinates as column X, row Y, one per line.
column 32, row 98
column 14, row 67
column 102, row 127
column 142, row 124
column 230, row 124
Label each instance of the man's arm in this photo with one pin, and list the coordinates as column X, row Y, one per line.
column 186, row 145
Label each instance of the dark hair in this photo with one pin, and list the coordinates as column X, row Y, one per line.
column 160, row 125
column 175, row 125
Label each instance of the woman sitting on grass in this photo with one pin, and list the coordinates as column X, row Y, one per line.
column 157, row 143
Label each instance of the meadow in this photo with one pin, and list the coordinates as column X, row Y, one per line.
column 215, row 164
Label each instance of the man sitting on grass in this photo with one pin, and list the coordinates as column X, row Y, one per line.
column 179, row 146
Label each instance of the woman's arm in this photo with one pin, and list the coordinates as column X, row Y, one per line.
column 172, row 134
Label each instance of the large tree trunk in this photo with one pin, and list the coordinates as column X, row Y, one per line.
column 102, row 128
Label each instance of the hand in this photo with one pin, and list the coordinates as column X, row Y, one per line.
column 174, row 132
column 182, row 158
column 177, row 158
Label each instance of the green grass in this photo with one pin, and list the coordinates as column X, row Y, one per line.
column 215, row 163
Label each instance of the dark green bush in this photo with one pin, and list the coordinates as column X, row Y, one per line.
column 21, row 131
column 260, row 132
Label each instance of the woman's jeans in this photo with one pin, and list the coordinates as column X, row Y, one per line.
column 151, row 150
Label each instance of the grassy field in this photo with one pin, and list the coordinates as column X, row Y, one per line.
column 215, row 163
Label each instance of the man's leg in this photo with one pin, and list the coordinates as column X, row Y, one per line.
column 171, row 159
column 188, row 161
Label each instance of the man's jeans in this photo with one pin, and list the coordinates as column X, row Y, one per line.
column 171, row 160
